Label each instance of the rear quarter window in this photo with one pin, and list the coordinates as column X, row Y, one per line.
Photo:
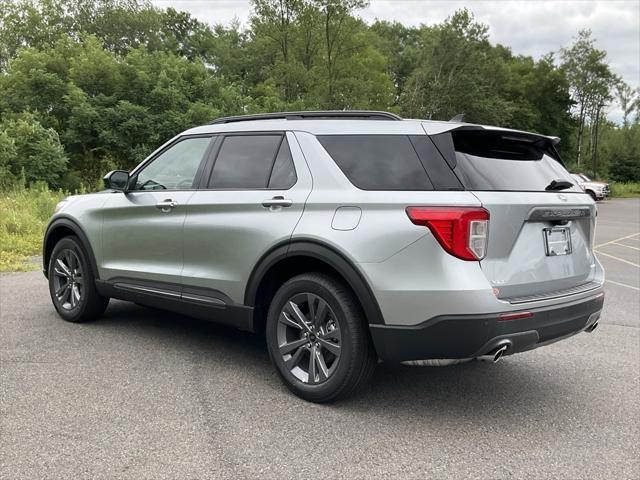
column 377, row 162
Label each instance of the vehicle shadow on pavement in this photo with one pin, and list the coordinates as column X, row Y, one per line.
column 484, row 391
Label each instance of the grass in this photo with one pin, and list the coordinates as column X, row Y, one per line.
column 23, row 217
column 625, row 190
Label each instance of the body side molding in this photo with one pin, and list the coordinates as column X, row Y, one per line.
column 205, row 304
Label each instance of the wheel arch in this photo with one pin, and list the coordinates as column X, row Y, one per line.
column 287, row 260
column 63, row 227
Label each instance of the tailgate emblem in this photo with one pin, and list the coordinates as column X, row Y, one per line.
column 563, row 197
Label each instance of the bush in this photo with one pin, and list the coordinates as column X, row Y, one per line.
column 30, row 153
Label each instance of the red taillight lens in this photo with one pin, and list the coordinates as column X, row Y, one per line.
column 462, row 231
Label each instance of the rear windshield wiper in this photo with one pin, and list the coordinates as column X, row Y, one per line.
column 558, row 185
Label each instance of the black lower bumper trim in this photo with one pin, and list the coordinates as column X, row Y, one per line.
column 468, row 336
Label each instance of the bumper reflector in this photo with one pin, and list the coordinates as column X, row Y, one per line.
column 514, row 316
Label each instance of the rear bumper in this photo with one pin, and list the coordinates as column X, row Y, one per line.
column 468, row 336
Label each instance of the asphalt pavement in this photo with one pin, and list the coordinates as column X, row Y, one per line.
column 145, row 394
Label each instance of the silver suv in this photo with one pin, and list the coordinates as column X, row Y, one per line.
column 345, row 237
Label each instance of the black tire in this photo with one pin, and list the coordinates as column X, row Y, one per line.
column 90, row 304
column 357, row 359
column 592, row 195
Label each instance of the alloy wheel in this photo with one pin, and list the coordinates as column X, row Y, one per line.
column 309, row 338
column 68, row 281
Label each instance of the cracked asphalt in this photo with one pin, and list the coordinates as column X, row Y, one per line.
column 143, row 394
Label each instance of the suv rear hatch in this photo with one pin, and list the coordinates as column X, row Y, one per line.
column 541, row 223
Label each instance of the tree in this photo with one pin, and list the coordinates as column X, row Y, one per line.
column 591, row 82
column 315, row 54
column 336, row 20
column 401, row 46
column 457, row 72
column 274, row 19
column 629, row 100
column 116, row 78
column 622, row 150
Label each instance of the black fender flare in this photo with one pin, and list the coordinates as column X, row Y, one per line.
column 326, row 254
column 70, row 224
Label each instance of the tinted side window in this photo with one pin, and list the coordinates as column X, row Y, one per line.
column 436, row 166
column 175, row 168
column 244, row 161
column 377, row 162
column 283, row 175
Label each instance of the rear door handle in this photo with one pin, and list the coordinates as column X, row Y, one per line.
column 167, row 205
column 277, row 201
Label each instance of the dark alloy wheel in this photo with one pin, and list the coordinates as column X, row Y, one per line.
column 72, row 282
column 309, row 338
column 68, row 279
column 318, row 338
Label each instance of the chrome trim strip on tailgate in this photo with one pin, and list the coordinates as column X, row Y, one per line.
column 585, row 287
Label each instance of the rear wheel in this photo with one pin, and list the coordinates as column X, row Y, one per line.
column 72, row 283
column 318, row 338
column 592, row 195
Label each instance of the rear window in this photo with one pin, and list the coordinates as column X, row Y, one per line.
column 258, row 161
column 377, row 162
column 507, row 162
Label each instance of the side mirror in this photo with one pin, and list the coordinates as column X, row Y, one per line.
column 116, row 180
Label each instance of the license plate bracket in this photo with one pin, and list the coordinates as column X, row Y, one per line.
column 557, row 241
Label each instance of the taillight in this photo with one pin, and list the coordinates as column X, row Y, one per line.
column 461, row 231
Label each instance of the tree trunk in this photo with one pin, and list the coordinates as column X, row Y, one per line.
column 580, row 131
column 595, row 146
column 327, row 35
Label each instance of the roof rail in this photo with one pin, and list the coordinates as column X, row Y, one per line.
column 313, row 115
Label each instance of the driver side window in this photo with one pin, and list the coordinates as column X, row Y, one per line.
column 175, row 168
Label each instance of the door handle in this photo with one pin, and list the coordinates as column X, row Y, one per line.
column 277, row 201
column 167, row 205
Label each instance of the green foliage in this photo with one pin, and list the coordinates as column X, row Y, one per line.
column 29, row 152
column 91, row 85
column 621, row 153
column 8, row 154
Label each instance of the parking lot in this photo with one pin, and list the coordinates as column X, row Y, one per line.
column 146, row 394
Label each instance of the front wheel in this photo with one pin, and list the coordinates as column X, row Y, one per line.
column 318, row 339
column 72, row 283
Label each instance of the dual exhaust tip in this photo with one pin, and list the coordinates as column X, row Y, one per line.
column 495, row 355
column 592, row 327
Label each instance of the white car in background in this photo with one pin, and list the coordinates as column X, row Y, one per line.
column 597, row 190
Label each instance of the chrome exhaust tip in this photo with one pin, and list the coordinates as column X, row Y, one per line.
column 499, row 353
column 591, row 328
column 496, row 355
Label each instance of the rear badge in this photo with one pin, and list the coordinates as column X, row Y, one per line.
column 557, row 241
column 563, row 197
